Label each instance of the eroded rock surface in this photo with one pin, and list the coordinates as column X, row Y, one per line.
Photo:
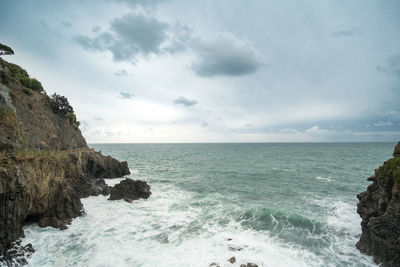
column 379, row 208
column 45, row 163
column 48, row 190
column 130, row 190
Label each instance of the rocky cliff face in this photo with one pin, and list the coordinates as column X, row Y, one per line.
column 27, row 118
column 45, row 163
column 379, row 208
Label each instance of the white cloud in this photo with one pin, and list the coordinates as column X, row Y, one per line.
column 382, row 123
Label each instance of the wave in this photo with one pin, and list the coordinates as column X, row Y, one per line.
column 328, row 179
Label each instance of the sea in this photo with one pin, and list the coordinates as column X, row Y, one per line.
column 271, row 204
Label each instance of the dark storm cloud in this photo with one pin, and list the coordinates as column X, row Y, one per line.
column 130, row 36
column 348, row 32
column 184, row 101
column 225, row 55
column 126, row 95
column 144, row 34
column 392, row 66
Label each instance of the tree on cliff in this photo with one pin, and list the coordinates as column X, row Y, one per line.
column 60, row 104
column 5, row 50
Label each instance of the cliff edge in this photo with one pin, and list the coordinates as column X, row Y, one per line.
column 45, row 163
column 379, row 208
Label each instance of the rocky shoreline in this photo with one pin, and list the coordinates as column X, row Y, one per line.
column 46, row 166
column 379, row 208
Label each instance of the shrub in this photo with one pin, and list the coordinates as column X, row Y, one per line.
column 7, row 116
column 4, row 78
column 72, row 120
column 27, row 91
column 30, row 106
column 16, row 70
column 36, row 85
column 396, row 176
column 31, row 83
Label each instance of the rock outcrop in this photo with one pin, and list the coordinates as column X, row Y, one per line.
column 130, row 190
column 379, row 208
column 45, row 163
column 27, row 117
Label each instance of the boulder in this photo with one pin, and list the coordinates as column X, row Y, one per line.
column 130, row 190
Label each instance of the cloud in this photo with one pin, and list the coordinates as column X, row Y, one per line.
column 225, row 55
column 121, row 73
column 382, row 124
column 179, row 40
column 126, row 95
column 184, row 101
column 392, row 66
column 45, row 26
column 131, row 35
column 134, row 35
column 143, row 3
column 66, row 24
column 84, row 126
column 96, row 29
column 315, row 130
column 348, row 32
column 289, row 130
column 144, row 34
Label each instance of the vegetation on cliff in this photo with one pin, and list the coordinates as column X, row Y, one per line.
column 45, row 163
column 29, row 118
column 6, row 50
column 379, row 208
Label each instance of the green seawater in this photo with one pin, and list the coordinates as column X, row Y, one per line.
column 281, row 204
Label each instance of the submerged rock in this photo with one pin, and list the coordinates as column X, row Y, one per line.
column 130, row 190
column 379, row 208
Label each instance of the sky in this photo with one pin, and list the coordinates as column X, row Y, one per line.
column 215, row 70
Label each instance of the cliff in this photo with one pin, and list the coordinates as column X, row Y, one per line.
column 379, row 208
column 27, row 117
column 45, row 163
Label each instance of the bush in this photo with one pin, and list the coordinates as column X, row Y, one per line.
column 21, row 74
column 31, row 83
column 16, row 70
column 27, row 91
column 72, row 120
column 7, row 116
column 4, row 78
